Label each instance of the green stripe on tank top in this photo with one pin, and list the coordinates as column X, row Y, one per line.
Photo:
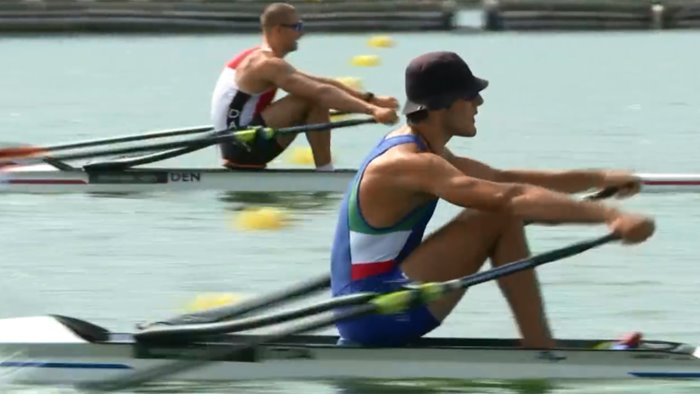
column 357, row 224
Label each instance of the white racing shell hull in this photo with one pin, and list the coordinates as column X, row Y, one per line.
column 47, row 179
column 44, row 179
column 59, row 350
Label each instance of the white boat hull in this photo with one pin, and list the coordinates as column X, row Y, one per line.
column 172, row 179
column 68, row 358
column 45, row 179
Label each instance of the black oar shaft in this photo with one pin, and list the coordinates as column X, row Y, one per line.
column 128, row 138
column 214, row 138
column 190, row 332
column 230, row 311
column 138, row 137
column 534, row 261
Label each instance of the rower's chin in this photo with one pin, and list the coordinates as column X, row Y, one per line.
column 467, row 133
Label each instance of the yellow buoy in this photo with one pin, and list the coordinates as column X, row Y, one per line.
column 301, row 155
column 365, row 60
column 265, row 218
column 380, row 42
column 212, row 300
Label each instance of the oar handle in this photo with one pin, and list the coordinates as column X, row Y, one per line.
column 604, row 193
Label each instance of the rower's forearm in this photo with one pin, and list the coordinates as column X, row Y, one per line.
column 341, row 86
column 541, row 204
column 342, row 101
column 573, row 181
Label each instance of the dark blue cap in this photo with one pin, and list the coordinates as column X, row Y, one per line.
column 435, row 80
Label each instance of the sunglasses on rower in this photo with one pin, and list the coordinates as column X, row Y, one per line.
column 299, row 26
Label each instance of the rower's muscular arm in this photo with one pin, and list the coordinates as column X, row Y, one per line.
column 567, row 181
column 284, row 76
column 471, row 167
column 573, row 181
column 337, row 84
column 432, row 174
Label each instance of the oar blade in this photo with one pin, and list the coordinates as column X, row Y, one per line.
column 20, row 152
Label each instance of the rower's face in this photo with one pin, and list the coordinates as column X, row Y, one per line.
column 461, row 116
column 291, row 31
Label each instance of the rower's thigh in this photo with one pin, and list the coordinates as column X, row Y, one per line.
column 286, row 112
column 457, row 249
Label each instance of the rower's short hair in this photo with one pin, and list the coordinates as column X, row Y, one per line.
column 275, row 14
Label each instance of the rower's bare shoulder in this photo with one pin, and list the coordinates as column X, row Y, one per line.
column 273, row 66
column 284, row 76
column 404, row 161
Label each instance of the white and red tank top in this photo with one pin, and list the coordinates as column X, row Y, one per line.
column 230, row 106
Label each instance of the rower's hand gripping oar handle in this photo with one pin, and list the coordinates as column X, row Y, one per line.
column 604, row 193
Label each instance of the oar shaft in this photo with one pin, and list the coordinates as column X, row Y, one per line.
column 190, row 332
column 128, row 138
column 228, row 312
column 427, row 292
column 534, row 261
column 120, row 139
column 246, row 135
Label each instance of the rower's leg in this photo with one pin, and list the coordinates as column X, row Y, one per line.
column 319, row 141
column 287, row 112
column 462, row 246
column 294, row 111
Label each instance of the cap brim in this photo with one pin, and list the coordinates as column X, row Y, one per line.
column 411, row 107
column 481, row 84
